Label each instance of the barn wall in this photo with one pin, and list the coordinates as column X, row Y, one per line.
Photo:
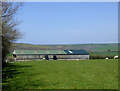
column 85, row 57
column 59, row 57
column 22, row 57
column 50, row 56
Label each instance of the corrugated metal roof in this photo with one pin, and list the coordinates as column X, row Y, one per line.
column 40, row 52
column 80, row 52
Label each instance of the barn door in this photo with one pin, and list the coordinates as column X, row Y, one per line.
column 54, row 57
column 46, row 57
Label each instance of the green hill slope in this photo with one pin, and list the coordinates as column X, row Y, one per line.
column 93, row 49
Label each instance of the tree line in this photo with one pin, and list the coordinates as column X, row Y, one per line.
column 9, row 31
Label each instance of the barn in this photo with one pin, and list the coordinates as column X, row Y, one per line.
column 50, row 55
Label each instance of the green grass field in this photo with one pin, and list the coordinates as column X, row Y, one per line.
column 82, row 74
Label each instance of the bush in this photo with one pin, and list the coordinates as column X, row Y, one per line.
column 100, row 57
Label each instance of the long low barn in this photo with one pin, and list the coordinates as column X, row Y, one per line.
column 50, row 55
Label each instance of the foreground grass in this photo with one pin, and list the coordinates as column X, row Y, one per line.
column 83, row 74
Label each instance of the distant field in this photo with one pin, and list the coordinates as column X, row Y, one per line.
column 106, row 53
column 92, row 49
column 83, row 74
column 88, row 47
column 112, row 48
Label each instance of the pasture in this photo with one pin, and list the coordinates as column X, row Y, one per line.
column 82, row 74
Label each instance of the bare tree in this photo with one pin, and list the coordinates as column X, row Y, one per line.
column 9, row 31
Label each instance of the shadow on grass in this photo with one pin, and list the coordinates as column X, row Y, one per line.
column 8, row 72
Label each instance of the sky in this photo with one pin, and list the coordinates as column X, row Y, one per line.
column 68, row 22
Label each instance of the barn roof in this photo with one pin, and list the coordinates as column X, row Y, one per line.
column 80, row 52
column 21, row 52
column 40, row 52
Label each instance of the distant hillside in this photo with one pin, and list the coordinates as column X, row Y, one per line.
column 93, row 49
